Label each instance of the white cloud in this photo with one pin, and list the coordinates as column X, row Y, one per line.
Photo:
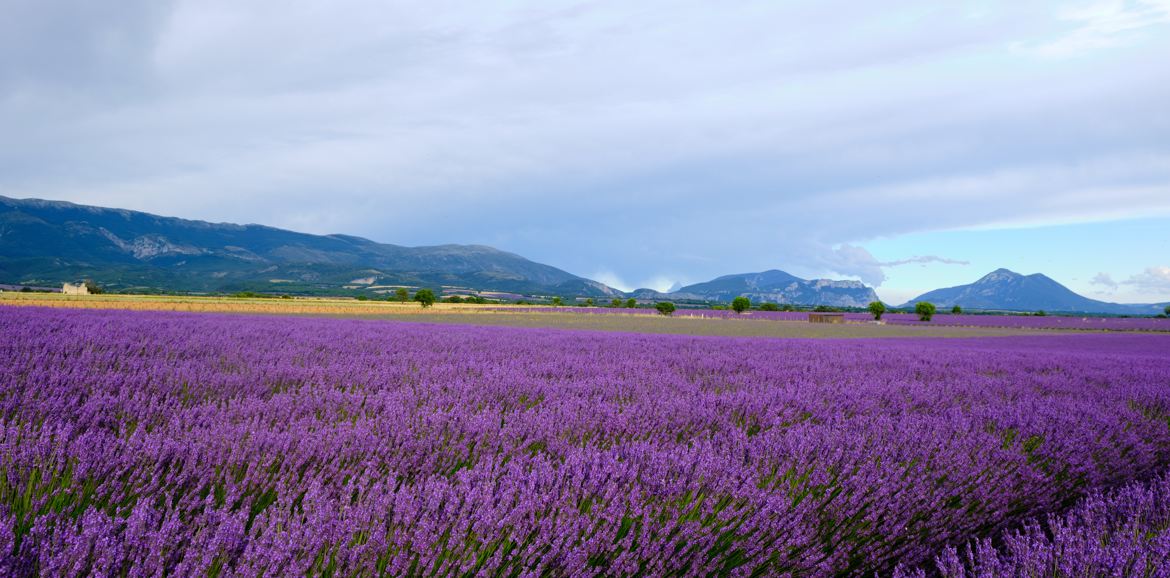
column 1105, row 280
column 924, row 259
column 856, row 262
column 1105, row 24
column 1154, row 280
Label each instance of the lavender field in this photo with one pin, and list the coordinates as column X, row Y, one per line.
column 979, row 320
column 151, row 443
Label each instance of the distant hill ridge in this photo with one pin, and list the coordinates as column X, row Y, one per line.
column 1007, row 290
column 47, row 242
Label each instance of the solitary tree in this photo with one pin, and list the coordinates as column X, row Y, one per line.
column 741, row 304
column 631, row 303
column 557, row 301
column 93, row 288
column 401, row 294
column 589, row 302
column 1167, row 310
column 665, row 308
column 925, row 310
column 425, row 297
column 878, row 309
column 956, row 310
column 616, row 303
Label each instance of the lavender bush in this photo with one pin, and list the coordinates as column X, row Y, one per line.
column 1124, row 533
column 135, row 443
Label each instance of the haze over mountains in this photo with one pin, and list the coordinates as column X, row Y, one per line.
column 50, row 242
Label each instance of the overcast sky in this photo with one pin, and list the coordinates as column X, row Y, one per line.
column 910, row 145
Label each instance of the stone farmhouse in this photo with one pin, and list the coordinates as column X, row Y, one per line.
column 75, row 289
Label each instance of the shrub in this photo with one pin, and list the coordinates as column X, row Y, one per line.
column 425, row 297
column 769, row 307
column 741, row 304
column 589, row 302
column 877, row 308
column 824, row 309
column 557, row 301
column 1041, row 313
column 787, row 307
column 665, row 308
column 956, row 310
column 93, row 288
column 454, row 299
column 1167, row 310
column 361, row 298
column 925, row 310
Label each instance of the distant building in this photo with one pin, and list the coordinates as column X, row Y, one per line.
column 826, row 318
column 75, row 289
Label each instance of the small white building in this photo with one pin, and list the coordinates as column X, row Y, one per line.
column 75, row 289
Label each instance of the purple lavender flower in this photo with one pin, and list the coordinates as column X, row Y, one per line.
column 165, row 443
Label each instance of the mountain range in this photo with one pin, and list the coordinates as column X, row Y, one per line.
column 1006, row 290
column 772, row 286
column 46, row 243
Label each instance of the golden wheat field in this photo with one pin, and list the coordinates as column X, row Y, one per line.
column 294, row 306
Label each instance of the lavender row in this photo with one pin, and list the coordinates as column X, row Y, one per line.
column 1122, row 533
column 1034, row 322
column 1004, row 321
column 161, row 443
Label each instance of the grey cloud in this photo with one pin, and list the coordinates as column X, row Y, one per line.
column 79, row 48
column 657, row 140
